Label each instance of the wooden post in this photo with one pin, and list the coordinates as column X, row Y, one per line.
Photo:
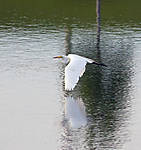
column 98, row 19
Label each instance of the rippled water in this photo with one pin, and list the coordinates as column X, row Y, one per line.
column 102, row 113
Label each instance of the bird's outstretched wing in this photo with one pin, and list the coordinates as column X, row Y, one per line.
column 73, row 71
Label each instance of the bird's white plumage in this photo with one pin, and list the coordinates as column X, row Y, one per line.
column 74, row 70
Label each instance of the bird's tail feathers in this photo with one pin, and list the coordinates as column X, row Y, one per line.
column 99, row 64
column 94, row 62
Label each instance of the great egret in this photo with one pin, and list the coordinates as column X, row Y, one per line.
column 75, row 69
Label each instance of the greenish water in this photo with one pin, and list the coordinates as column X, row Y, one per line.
column 103, row 111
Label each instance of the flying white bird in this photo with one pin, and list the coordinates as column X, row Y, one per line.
column 75, row 69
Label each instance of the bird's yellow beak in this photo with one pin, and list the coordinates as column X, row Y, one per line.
column 58, row 57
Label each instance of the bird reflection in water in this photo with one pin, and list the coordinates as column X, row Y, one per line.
column 75, row 112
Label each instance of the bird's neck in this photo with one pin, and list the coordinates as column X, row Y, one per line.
column 66, row 59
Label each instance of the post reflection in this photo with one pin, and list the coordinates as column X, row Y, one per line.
column 68, row 31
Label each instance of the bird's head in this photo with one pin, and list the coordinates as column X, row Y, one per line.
column 66, row 59
column 58, row 57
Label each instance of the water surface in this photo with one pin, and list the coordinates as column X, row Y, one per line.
column 35, row 111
